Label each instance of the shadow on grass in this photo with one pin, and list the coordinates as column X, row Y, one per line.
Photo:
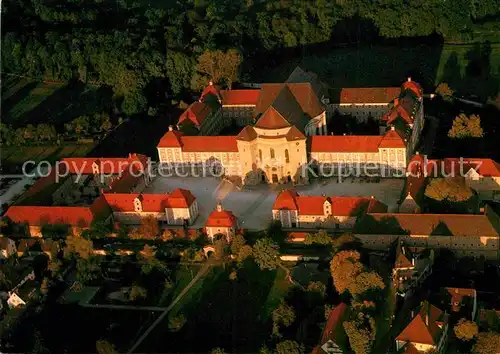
column 224, row 314
column 10, row 102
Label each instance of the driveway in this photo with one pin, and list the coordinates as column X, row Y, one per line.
column 253, row 207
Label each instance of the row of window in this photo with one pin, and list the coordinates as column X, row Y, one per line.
column 273, row 155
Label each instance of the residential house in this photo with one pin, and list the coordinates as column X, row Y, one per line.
column 221, row 222
column 333, row 339
column 177, row 208
column 458, row 297
column 426, row 331
column 14, row 300
column 293, row 210
column 410, row 270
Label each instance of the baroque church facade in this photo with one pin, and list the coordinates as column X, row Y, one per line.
column 284, row 130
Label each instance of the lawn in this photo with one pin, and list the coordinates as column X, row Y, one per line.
column 221, row 313
column 13, row 157
column 280, row 288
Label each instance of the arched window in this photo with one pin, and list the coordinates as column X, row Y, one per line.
column 260, row 155
column 272, row 153
column 287, row 157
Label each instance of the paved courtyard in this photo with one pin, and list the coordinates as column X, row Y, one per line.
column 253, row 207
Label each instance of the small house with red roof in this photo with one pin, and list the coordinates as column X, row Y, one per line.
column 461, row 297
column 333, row 339
column 221, row 222
column 293, row 210
column 426, row 331
column 410, row 268
column 177, row 208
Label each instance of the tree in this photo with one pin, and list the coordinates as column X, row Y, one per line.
column 359, row 338
column 237, row 243
column 318, row 287
column 444, row 91
column 245, row 252
column 289, row 347
column 167, row 235
column 218, row 351
column 219, row 66
column 88, row 269
column 180, row 70
column 176, row 322
column 448, row 189
column 487, row 343
column 76, row 245
column 366, row 281
column 149, row 229
column 104, row 347
column 266, row 253
column 465, row 330
column 284, row 314
column 137, row 292
column 321, row 238
column 221, row 247
column 466, row 127
column 344, row 268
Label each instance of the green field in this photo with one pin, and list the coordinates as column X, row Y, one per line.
column 12, row 157
column 383, row 65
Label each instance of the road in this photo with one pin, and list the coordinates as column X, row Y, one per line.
column 197, row 277
column 18, row 187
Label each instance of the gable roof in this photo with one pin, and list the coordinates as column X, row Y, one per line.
column 465, row 225
column 314, row 205
column 413, row 87
column 197, row 112
column 457, row 294
column 211, row 90
column 294, row 134
column 239, row 97
column 248, row 133
column 344, row 143
column 392, row 140
column 180, row 198
column 425, row 327
column 403, row 257
column 368, row 95
column 299, row 75
column 335, row 319
column 272, row 119
column 221, row 218
column 172, row 138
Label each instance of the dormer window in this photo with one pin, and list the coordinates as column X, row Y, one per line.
column 138, row 205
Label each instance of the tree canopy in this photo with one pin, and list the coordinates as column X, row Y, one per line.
column 266, row 253
column 465, row 330
column 487, row 343
column 451, row 189
column 466, row 127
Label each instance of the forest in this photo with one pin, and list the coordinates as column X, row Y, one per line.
column 147, row 50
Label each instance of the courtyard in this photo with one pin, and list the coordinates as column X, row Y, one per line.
column 253, row 207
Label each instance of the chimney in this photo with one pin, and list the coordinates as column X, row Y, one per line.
column 331, row 133
column 417, row 153
column 345, row 134
column 392, row 127
column 210, row 83
column 409, row 78
column 170, row 128
column 219, row 206
column 372, row 197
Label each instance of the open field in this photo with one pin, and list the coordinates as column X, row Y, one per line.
column 222, row 313
column 383, row 65
column 13, row 157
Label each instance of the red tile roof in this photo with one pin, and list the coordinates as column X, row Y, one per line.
column 294, row 134
column 175, row 139
column 211, row 90
column 457, row 294
column 403, row 257
column 40, row 215
column 484, row 167
column 180, row 198
column 240, row 97
column 397, row 111
column 221, row 218
column 335, row 319
column 209, row 144
column 368, row 95
column 172, row 138
column 152, row 203
column 424, row 327
column 313, row 205
column 392, row 140
column 247, row 134
column 414, row 87
column 197, row 112
column 272, row 119
column 344, row 143
column 466, row 225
